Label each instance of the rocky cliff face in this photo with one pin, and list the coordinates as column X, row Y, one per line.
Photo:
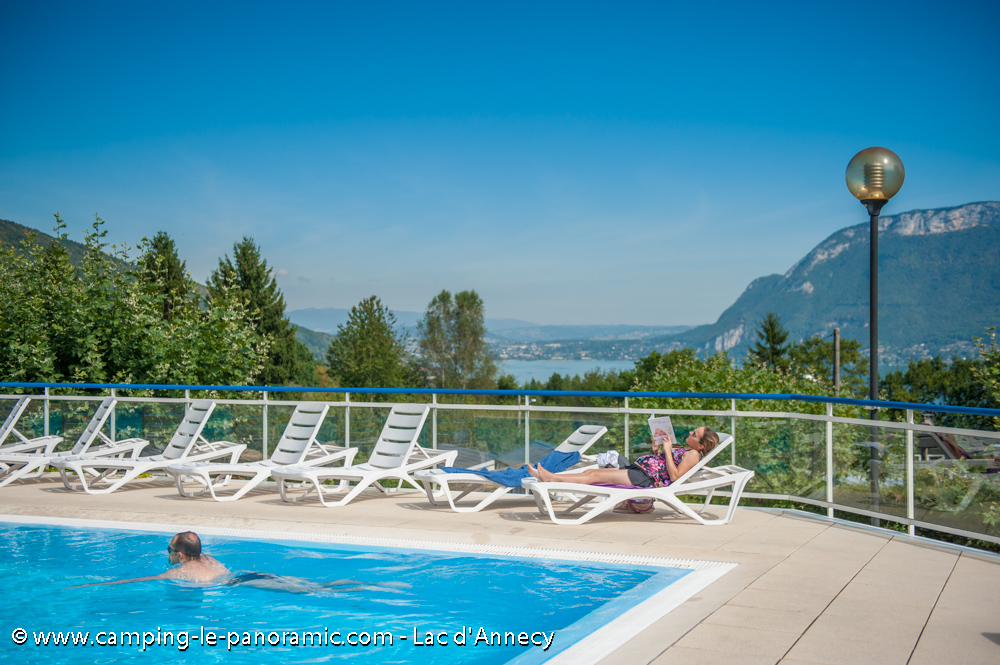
column 939, row 285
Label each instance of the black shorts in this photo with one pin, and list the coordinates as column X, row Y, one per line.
column 250, row 577
column 638, row 476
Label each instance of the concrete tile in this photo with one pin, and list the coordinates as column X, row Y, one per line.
column 972, row 632
column 685, row 656
column 916, row 595
column 870, row 628
column 796, row 565
column 738, row 640
column 756, row 618
column 761, row 544
column 864, row 606
column 936, row 656
column 629, row 533
column 780, row 600
column 777, row 580
column 837, row 650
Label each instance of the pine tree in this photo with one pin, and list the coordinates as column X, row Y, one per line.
column 769, row 349
column 368, row 351
column 249, row 275
column 165, row 273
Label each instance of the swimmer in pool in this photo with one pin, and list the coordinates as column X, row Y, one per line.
column 184, row 549
column 195, row 566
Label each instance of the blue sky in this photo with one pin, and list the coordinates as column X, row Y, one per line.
column 573, row 162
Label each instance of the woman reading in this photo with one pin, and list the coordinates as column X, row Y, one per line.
column 655, row 470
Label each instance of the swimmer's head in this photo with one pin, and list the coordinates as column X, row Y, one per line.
column 187, row 543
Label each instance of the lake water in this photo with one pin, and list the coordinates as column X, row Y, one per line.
column 526, row 370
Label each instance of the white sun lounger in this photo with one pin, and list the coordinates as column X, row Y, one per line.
column 39, row 445
column 596, row 499
column 396, row 455
column 298, row 445
column 21, row 466
column 187, row 443
column 579, row 441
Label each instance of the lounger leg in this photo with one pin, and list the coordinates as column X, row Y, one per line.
column 182, row 478
column 286, row 495
column 356, row 490
column 428, row 487
column 11, row 473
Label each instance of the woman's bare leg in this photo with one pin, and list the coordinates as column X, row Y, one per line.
column 588, row 477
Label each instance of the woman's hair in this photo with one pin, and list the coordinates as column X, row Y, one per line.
column 709, row 439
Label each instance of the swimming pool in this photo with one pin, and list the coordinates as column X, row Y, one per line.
column 391, row 605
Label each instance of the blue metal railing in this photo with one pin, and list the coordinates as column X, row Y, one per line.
column 821, row 399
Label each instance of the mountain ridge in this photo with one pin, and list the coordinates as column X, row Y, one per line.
column 939, row 285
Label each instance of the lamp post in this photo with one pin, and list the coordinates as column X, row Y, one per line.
column 874, row 176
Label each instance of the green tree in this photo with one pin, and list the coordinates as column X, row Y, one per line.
column 453, row 342
column 988, row 371
column 813, row 357
column 165, row 274
column 770, row 349
column 99, row 322
column 368, row 350
column 936, row 381
column 248, row 276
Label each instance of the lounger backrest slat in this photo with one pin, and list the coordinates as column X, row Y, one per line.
column 399, row 436
column 15, row 413
column 724, row 441
column 300, row 433
column 582, row 439
column 95, row 425
column 195, row 418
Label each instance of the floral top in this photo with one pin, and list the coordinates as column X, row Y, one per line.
column 656, row 465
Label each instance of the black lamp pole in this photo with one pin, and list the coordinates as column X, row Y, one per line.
column 874, row 206
column 874, row 176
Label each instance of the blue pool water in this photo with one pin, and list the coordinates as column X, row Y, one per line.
column 402, row 593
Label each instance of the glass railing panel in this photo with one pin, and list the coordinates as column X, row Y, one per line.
column 240, row 423
column 481, row 436
column 870, row 468
column 554, row 428
column 962, row 493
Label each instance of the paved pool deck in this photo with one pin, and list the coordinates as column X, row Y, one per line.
column 806, row 590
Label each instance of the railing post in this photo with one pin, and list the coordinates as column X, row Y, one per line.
column 527, row 429
column 114, row 425
column 829, row 459
column 732, row 431
column 909, row 474
column 263, row 425
column 347, row 420
column 626, row 427
column 434, row 421
column 45, row 413
column 187, row 398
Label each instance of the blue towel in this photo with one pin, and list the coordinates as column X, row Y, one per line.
column 554, row 462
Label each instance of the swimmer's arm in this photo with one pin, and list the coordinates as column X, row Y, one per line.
column 170, row 574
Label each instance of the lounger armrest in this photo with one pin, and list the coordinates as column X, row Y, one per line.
column 442, row 457
column 210, row 450
column 324, row 454
column 132, row 446
column 40, row 446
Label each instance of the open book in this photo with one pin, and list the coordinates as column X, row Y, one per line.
column 661, row 428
